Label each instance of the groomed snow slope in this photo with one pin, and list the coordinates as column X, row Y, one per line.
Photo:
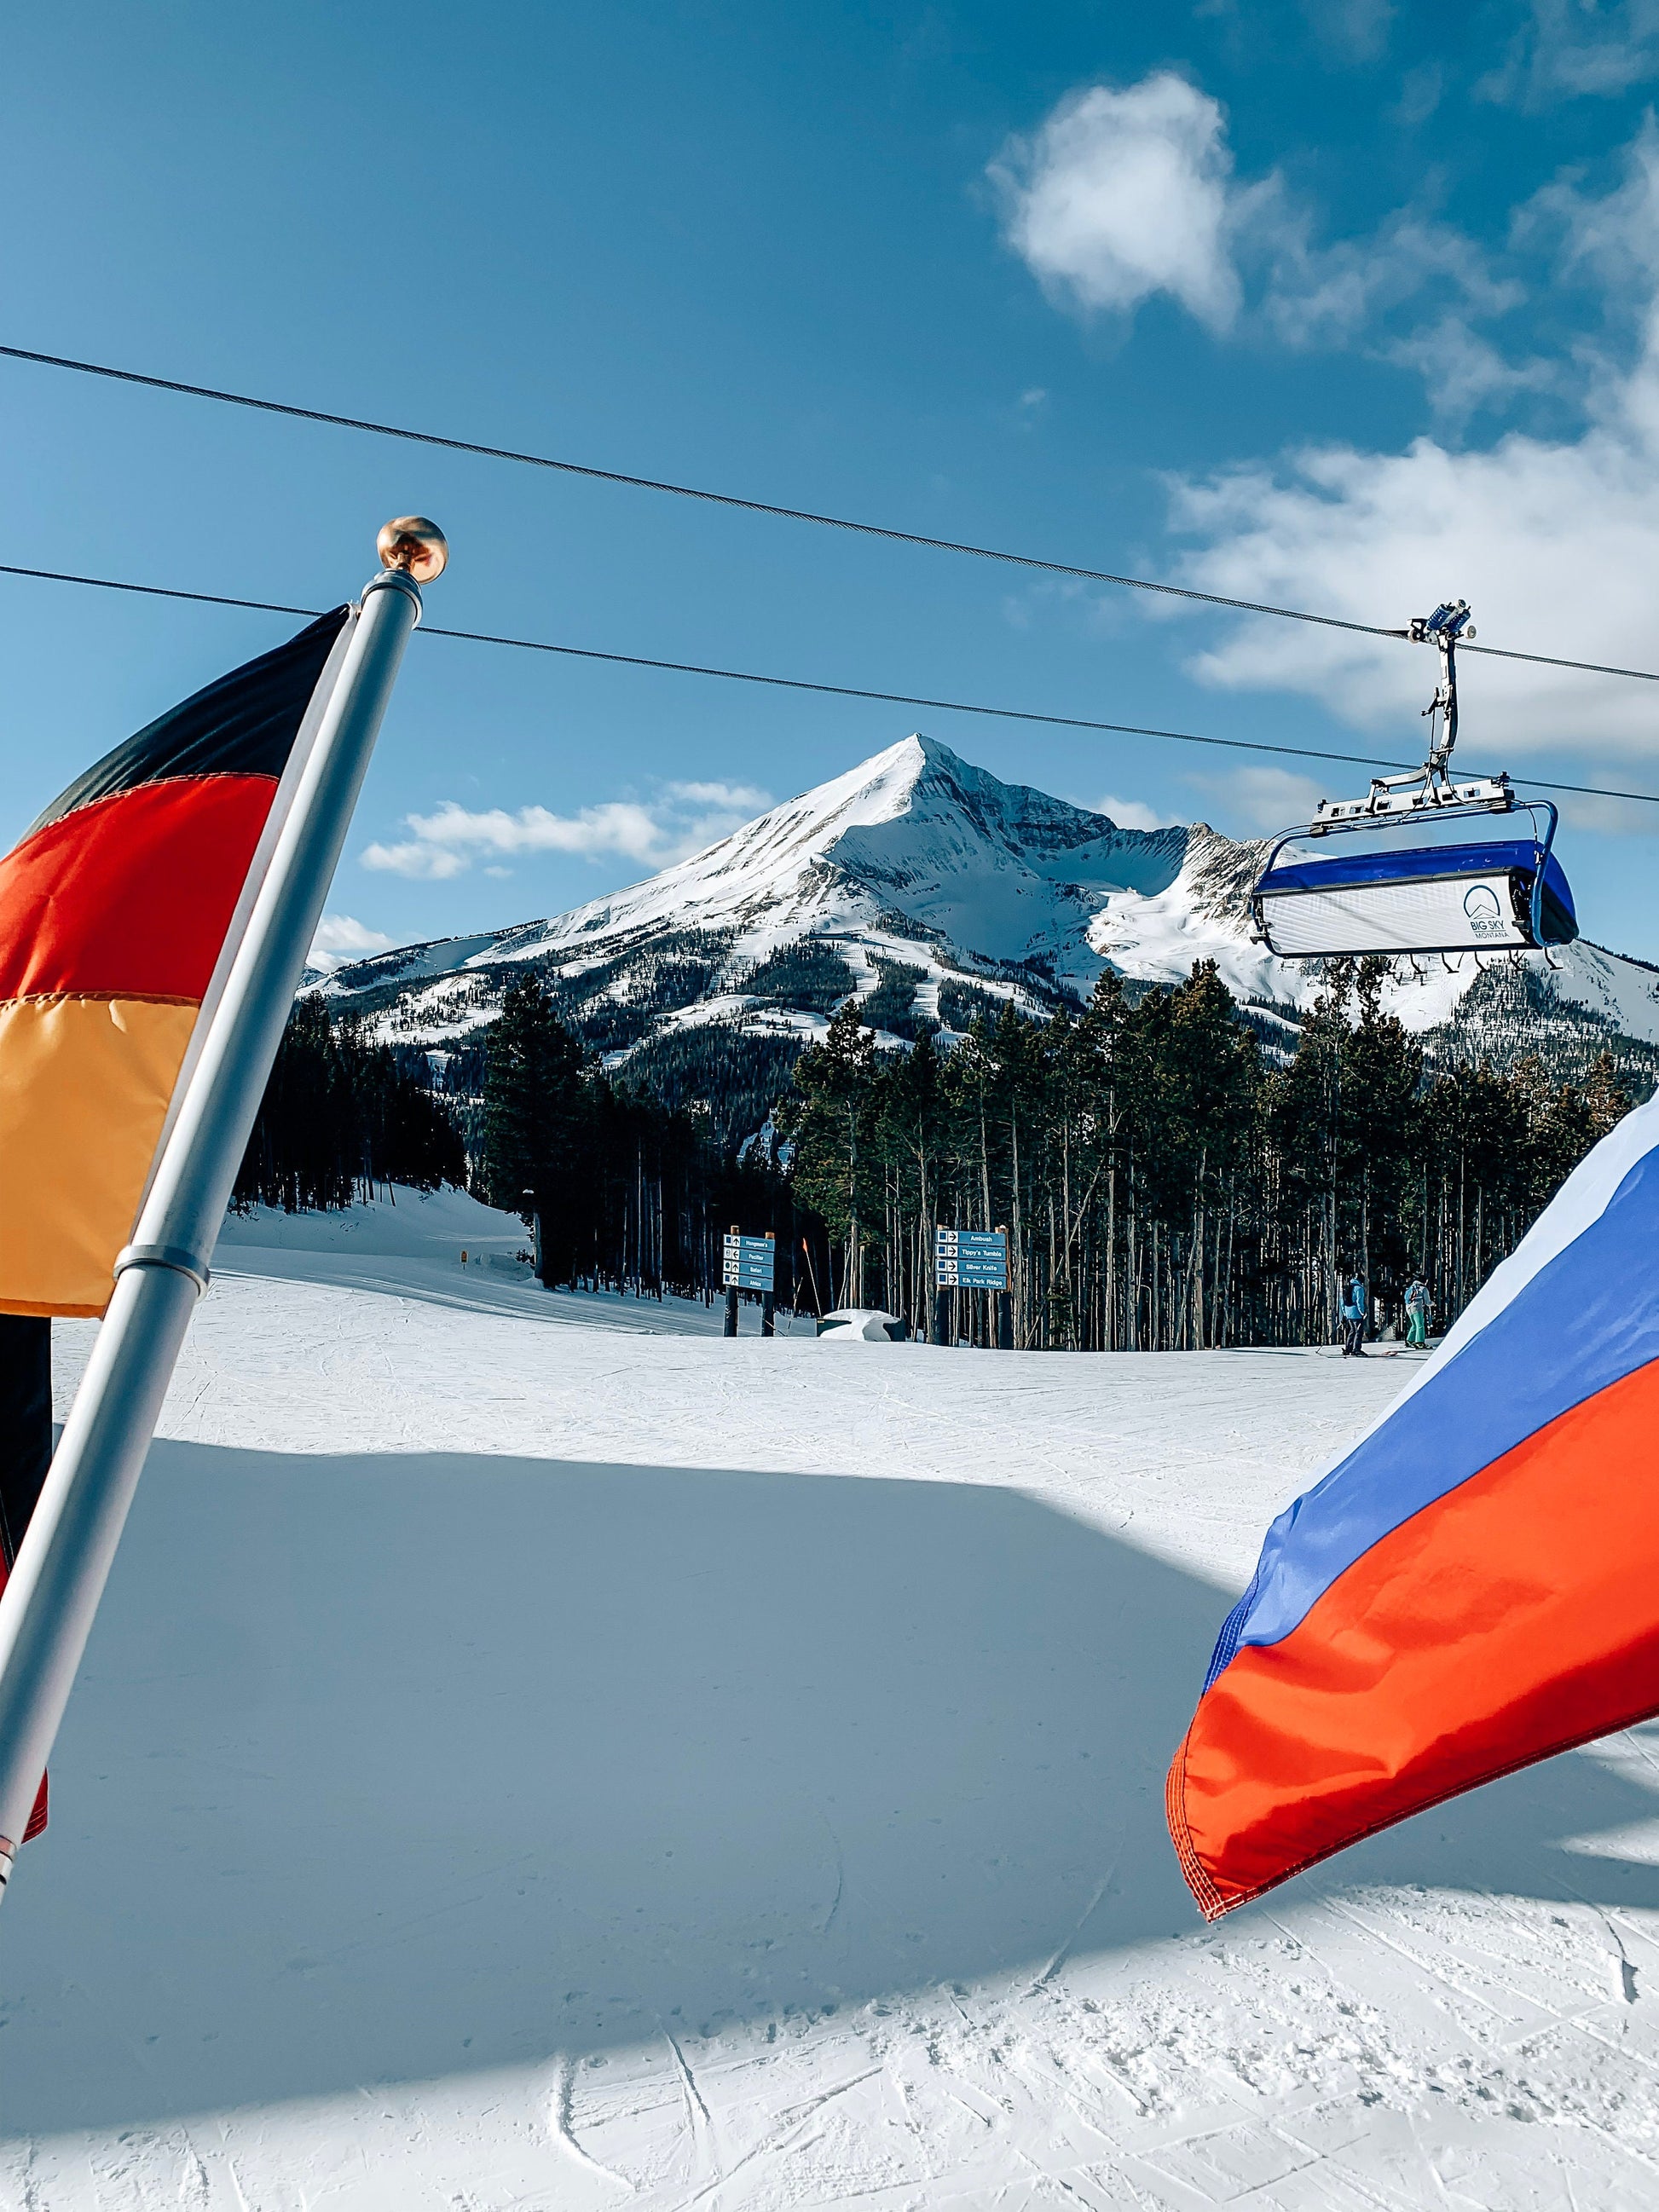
column 522, row 1763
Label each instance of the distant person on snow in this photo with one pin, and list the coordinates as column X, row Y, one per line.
column 1418, row 1309
column 1353, row 1318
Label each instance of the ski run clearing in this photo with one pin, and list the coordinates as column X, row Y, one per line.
column 533, row 1753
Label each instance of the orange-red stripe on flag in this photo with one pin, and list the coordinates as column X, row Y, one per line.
column 85, row 1084
column 1511, row 1619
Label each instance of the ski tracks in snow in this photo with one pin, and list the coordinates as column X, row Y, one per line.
column 1365, row 2044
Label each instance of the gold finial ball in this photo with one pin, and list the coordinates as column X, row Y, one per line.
column 412, row 543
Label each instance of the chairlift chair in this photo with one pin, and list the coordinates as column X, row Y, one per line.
column 1481, row 893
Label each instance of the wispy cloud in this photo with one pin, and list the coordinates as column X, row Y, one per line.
column 341, row 937
column 1574, row 49
column 681, row 818
column 1356, row 30
column 1130, row 813
column 1549, row 539
column 1611, row 239
column 1329, row 295
column 746, row 798
column 1462, row 371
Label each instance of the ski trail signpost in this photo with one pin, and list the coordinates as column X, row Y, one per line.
column 750, row 1263
column 973, row 1259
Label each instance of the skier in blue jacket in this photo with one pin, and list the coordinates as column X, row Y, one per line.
column 1354, row 1304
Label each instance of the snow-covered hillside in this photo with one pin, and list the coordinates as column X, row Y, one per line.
column 917, row 874
column 533, row 1753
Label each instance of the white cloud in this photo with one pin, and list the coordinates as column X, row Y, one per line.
column 341, row 937
column 427, row 863
column 1030, row 409
column 1571, row 49
column 1421, row 90
column 745, row 799
column 1555, row 543
column 1120, row 195
column 680, row 820
column 1607, row 818
column 1130, row 813
column 1265, row 800
column 1553, row 540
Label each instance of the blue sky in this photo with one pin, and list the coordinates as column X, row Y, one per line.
column 1344, row 305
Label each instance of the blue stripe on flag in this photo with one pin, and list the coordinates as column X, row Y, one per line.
column 1585, row 1321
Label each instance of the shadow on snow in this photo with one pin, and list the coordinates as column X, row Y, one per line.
column 384, row 1768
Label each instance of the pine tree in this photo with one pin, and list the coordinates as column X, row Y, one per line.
column 339, row 1114
column 532, row 1097
column 830, row 1124
column 1606, row 1100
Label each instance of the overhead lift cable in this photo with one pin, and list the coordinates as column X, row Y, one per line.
column 783, row 514
column 805, row 684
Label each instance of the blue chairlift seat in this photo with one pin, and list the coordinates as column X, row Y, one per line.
column 1490, row 895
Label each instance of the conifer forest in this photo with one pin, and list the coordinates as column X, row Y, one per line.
column 1166, row 1182
column 339, row 1115
column 1168, row 1177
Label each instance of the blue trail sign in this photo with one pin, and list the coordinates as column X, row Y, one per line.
column 971, row 1259
column 747, row 1263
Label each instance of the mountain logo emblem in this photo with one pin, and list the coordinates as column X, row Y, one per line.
column 1486, row 916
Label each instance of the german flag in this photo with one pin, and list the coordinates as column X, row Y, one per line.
column 117, row 911
column 114, row 912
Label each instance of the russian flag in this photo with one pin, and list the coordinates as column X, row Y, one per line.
column 1474, row 1585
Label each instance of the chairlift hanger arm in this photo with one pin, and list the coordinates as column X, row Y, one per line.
column 1448, row 623
column 1431, row 786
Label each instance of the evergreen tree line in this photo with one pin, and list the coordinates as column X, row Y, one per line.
column 1168, row 1183
column 629, row 1193
column 1166, row 1180
column 341, row 1115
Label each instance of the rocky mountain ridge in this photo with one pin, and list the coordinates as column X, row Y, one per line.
column 932, row 891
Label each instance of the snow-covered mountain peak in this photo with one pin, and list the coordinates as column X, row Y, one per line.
column 914, row 832
column 915, row 864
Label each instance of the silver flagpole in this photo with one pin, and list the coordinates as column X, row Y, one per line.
column 47, row 1608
